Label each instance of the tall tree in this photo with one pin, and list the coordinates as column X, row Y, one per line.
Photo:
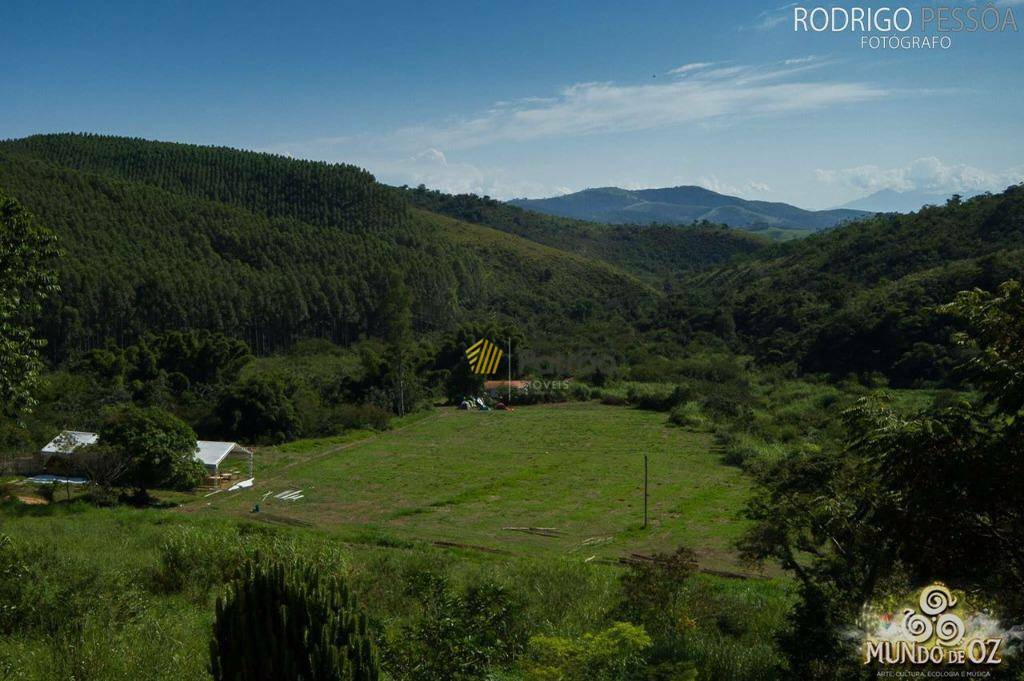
column 159, row 447
column 912, row 498
column 26, row 278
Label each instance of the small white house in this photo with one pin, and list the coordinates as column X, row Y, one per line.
column 208, row 452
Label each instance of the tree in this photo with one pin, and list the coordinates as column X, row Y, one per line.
column 259, row 408
column 397, row 315
column 159, row 448
column 105, row 465
column 26, row 278
column 911, row 498
column 290, row 623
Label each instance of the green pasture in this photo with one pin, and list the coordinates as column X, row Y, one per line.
column 570, row 474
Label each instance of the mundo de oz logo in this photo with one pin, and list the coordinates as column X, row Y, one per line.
column 939, row 629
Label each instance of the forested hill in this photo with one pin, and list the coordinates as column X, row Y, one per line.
column 162, row 236
column 335, row 195
column 685, row 205
column 861, row 298
column 652, row 251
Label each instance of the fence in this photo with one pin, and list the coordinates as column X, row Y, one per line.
column 20, row 464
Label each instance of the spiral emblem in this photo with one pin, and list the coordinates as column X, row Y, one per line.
column 936, row 599
column 918, row 627
column 949, row 629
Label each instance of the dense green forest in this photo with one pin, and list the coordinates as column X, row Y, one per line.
column 652, row 251
column 159, row 236
column 162, row 236
column 861, row 298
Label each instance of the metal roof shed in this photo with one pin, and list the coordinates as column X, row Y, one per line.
column 67, row 442
column 211, row 453
column 208, row 452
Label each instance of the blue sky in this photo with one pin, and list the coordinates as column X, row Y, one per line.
column 531, row 99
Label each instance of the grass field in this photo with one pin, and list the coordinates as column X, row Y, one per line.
column 116, row 594
column 462, row 478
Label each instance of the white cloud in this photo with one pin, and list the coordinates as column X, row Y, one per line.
column 707, row 95
column 769, row 19
column 800, row 60
column 928, row 174
column 744, row 190
column 433, row 168
column 689, row 68
column 432, row 155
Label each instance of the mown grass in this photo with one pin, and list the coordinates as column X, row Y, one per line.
column 463, row 477
column 120, row 593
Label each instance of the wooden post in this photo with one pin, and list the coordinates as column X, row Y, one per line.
column 509, row 403
column 645, row 491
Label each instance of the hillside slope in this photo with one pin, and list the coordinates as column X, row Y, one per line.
column 862, row 297
column 684, row 205
column 652, row 251
column 164, row 236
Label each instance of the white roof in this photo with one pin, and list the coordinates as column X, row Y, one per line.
column 208, row 452
column 68, row 441
column 212, row 453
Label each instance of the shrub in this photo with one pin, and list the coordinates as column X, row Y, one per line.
column 12, row 571
column 658, row 397
column 739, row 455
column 459, row 634
column 688, row 415
column 746, row 450
column 579, row 392
column 195, row 559
column 728, row 401
column 290, row 622
column 615, row 653
column 650, row 592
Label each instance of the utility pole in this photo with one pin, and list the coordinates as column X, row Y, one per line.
column 645, row 492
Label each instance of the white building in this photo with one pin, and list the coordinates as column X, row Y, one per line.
column 210, row 453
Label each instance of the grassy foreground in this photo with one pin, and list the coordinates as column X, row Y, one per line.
column 416, row 519
column 465, row 478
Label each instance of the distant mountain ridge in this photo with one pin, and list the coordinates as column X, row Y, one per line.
column 892, row 201
column 685, row 205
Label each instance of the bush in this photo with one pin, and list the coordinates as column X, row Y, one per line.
column 338, row 419
column 612, row 654
column 728, row 401
column 459, row 634
column 688, row 415
column 579, row 392
column 195, row 559
column 651, row 596
column 746, row 450
column 290, row 621
column 658, row 397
